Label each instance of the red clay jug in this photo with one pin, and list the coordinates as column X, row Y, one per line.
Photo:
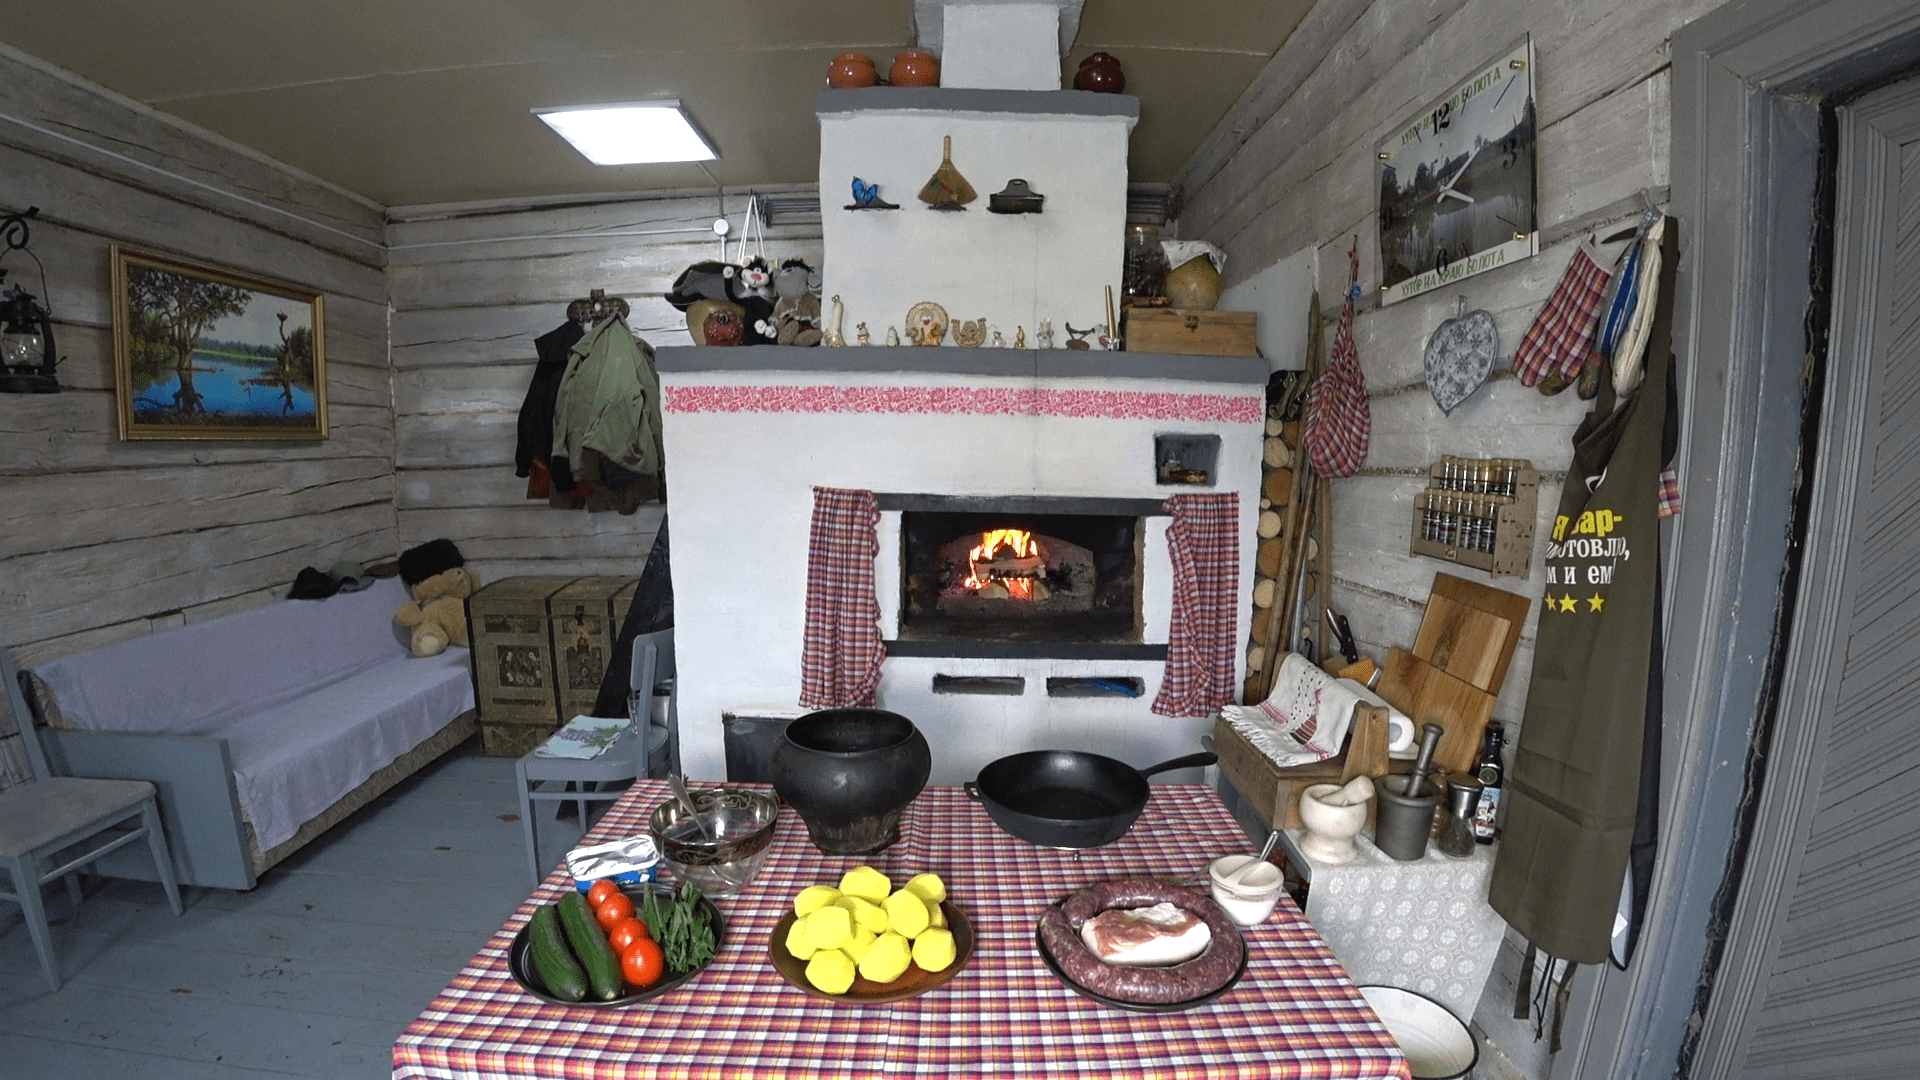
column 851, row 70
column 1100, row 73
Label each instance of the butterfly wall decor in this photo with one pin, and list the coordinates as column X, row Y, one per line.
column 867, row 197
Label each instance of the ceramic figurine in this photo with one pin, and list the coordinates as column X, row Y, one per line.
column 998, row 341
column 867, row 197
column 1079, row 337
column 833, row 325
column 863, row 337
column 926, row 323
column 971, row 333
column 893, row 336
column 1019, row 337
column 1044, row 336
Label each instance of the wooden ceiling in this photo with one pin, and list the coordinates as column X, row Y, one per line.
column 426, row 101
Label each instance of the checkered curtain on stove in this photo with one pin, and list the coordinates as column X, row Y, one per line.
column 1205, row 548
column 841, row 654
column 1338, row 420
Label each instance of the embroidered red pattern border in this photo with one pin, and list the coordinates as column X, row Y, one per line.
column 980, row 400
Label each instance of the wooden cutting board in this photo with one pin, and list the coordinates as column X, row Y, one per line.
column 1430, row 695
column 1470, row 630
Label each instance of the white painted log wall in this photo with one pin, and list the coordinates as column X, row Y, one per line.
column 103, row 539
column 472, row 286
column 1292, row 167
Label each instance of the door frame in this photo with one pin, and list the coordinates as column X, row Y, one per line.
column 1747, row 82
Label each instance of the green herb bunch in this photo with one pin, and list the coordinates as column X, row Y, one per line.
column 681, row 926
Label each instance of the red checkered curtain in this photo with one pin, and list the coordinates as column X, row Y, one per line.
column 841, row 654
column 1338, row 420
column 1206, row 575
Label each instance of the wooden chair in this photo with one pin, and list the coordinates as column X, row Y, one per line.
column 48, row 817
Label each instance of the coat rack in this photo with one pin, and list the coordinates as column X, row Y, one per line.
column 597, row 307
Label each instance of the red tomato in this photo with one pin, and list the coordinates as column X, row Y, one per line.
column 623, row 934
column 613, row 909
column 642, row 962
column 600, row 891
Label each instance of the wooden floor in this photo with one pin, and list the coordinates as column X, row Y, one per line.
column 312, row 974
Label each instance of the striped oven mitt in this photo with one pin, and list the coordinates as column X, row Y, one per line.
column 1557, row 343
column 1338, row 419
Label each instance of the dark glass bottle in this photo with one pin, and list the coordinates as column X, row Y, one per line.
column 1492, row 776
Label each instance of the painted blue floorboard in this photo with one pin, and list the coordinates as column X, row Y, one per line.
column 312, row 974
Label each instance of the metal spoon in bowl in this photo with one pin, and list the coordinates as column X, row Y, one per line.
column 1246, row 868
column 679, row 785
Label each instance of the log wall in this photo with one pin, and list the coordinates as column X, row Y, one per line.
column 472, row 286
column 1292, row 167
column 103, row 539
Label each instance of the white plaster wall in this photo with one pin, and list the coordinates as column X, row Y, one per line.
column 1001, row 46
column 1282, row 295
column 1012, row 269
column 741, row 509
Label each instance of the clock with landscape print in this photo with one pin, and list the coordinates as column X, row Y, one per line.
column 1457, row 181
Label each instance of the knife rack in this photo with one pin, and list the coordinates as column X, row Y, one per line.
column 1478, row 512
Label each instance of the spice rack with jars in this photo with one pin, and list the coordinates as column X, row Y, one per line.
column 1478, row 512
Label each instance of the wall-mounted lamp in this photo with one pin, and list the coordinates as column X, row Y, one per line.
column 27, row 355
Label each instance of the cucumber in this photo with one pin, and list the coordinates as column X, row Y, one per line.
column 551, row 959
column 590, row 946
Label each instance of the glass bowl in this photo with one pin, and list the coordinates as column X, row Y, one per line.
column 740, row 822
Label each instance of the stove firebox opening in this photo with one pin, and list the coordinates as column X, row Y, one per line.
column 1020, row 577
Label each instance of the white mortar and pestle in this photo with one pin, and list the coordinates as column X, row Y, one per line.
column 1333, row 814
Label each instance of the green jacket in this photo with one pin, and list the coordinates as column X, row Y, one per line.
column 608, row 408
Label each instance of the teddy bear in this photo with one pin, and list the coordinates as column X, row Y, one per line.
column 796, row 314
column 438, row 612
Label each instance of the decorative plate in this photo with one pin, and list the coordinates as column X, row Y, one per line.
column 1135, row 1006
column 864, row 991
column 926, row 323
column 1459, row 356
column 520, row 964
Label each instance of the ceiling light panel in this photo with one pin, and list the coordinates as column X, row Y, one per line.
column 630, row 133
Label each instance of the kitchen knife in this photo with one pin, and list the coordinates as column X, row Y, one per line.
column 1343, row 634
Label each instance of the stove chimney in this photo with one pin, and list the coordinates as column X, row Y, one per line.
column 998, row 44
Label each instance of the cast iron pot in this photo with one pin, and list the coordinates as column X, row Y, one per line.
column 849, row 773
column 1068, row 798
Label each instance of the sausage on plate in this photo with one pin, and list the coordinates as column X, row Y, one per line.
column 1060, row 936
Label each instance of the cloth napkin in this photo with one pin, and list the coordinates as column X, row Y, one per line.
column 1306, row 717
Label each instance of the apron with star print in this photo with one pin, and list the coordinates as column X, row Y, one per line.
column 1590, row 731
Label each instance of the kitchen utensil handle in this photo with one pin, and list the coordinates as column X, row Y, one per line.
column 972, row 789
column 1191, row 761
column 1429, row 738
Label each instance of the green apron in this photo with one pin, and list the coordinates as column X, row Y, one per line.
column 1575, row 786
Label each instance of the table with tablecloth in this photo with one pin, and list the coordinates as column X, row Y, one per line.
column 1006, row 1014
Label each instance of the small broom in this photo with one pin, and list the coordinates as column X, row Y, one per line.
column 948, row 190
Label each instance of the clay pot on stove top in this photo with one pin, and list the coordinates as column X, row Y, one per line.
column 915, row 68
column 1101, row 74
column 849, row 773
column 851, row 70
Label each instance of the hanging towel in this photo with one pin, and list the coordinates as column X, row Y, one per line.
column 1338, row 418
column 841, row 654
column 1557, row 343
column 1203, row 543
column 1307, row 716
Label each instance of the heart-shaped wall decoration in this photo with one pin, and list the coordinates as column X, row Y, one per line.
column 1460, row 355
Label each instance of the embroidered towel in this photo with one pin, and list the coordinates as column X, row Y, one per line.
column 841, row 653
column 1202, row 541
column 1306, row 717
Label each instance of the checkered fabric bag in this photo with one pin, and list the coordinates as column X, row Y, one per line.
column 1338, row 419
column 841, row 652
column 1557, row 343
column 1202, row 541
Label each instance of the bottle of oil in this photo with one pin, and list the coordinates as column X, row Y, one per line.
column 1488, row 769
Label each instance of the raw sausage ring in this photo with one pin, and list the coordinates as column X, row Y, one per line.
column 1060, row 936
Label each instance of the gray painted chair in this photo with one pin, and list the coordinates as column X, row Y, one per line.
column 43, row 816
column 652, row 670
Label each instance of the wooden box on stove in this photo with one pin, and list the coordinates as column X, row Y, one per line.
column 1192, row 333
column 540, row 647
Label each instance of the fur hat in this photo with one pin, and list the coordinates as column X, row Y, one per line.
column 417, row 564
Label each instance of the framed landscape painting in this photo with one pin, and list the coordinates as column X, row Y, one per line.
column 200, row 352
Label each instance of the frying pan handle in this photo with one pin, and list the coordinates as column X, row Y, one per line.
column 972, row 789
column 1191, row 761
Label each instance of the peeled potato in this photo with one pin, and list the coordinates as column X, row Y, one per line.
column 831, row 971
column 936, row 918
column 887, row 959
column 813, row 898
column 908, row 913
column 866, row 913
column 929, row 887
column 862, row 940
column 934, row 950
column 798, row 943
column 830, row 927
column 866, row 883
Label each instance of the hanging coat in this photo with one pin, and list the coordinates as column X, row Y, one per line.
column 1590, row 730
column 536, row 412
column 606, row 420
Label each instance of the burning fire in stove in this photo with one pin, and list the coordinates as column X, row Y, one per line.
column 1007, row 564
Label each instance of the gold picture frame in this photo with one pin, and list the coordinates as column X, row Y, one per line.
column 203, row 352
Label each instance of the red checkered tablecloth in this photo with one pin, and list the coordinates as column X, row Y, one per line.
column 1295, row 1014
